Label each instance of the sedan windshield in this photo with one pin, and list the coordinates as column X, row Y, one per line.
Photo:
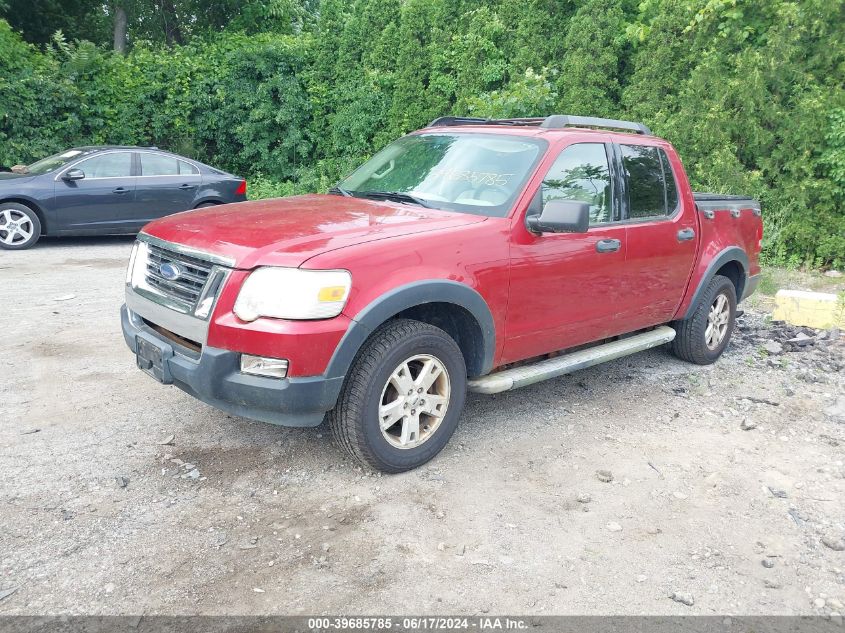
column 471, row 173
column 52, row 163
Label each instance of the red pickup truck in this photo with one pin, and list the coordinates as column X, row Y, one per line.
column 479, row 255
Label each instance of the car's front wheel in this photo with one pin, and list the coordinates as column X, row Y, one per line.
column 20, row 227
column 402, row 398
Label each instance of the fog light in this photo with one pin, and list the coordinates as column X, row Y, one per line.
column 262, row 366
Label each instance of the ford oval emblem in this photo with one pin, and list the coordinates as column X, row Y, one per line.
column 169, row 271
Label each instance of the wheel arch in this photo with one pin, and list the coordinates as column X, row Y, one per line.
column 36, row 209
column 454, row 307
column 732, row 263
column 734, row 271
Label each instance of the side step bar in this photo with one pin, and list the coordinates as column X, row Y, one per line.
column 554, row 367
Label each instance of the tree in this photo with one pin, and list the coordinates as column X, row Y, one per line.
column 588, row 82
column 120, row 25
column 37, row 20
column 751, row 92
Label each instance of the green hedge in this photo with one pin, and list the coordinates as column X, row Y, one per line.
column 750, row 92
column 237, row 102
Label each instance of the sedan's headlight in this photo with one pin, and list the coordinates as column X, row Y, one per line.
column 131, row 266
column 293, row 293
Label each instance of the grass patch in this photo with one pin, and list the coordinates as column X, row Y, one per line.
column 768, row 285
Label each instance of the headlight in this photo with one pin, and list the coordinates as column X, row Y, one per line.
column 138, row 265
column 131, row 263
column 293, row 293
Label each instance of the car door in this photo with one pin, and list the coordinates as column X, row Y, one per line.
column 564, row 287
column 166, row 184
column 97, row 202
column 660, row 237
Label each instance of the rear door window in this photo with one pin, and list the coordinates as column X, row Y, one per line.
column 671, row 185
column 644, row 176
column 186, row 168
column 161, row 165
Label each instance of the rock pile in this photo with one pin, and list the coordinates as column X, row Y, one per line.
column 815, row 354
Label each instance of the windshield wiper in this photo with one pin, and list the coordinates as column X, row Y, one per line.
column 339, row 191
column 398, row 196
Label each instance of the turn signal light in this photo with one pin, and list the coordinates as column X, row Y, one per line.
column 331, row 294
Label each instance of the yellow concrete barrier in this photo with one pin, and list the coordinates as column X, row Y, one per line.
column 813, row 309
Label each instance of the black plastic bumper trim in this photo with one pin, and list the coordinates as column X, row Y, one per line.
column 215, row 379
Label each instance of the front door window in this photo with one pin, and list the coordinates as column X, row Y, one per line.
column 581, row 172
column 112, row 165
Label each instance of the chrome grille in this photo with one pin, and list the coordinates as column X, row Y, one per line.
column 187, row 289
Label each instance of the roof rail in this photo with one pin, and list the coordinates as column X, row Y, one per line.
column 446, row 121
column 553, row 122
column 567, row 120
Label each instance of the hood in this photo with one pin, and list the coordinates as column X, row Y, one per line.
column 289, row 231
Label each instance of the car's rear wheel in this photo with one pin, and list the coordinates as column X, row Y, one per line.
column 402, row 398
column 20, row 227
column 703, row 337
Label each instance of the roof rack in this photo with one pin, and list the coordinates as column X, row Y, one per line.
column 446, row 121
column 553, row 122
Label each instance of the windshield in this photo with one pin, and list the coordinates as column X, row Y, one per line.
column 52, row 163
column 472, row 173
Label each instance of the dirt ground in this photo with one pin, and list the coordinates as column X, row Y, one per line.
column 101, row 515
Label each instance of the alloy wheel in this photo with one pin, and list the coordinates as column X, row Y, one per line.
column 15, row 227
column 717, row 322
column 414, row 401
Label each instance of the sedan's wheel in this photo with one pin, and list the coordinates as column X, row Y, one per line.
column 19, row 226
column 703, row 336
column 402, row 398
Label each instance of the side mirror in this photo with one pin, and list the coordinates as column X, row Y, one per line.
column 561, row 216
column 73, row 174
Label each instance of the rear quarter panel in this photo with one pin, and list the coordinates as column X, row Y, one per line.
column 740, row 227
column 219, row 189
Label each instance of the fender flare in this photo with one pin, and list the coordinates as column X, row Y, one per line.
column 409, row 296
column 730, row 254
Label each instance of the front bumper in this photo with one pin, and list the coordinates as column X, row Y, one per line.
column 213, row 376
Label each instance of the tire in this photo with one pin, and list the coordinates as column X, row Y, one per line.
column 205, row 205
column 693, row 341
column 26, row 229
column 397, row 352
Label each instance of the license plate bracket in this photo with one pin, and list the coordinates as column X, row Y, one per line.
column 151, row 356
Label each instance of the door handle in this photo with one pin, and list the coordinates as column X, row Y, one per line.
column 608, row 246
column 685, row 235
column 186, row 186
column 121, row 190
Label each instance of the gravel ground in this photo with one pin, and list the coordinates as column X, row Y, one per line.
column 120, row 496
